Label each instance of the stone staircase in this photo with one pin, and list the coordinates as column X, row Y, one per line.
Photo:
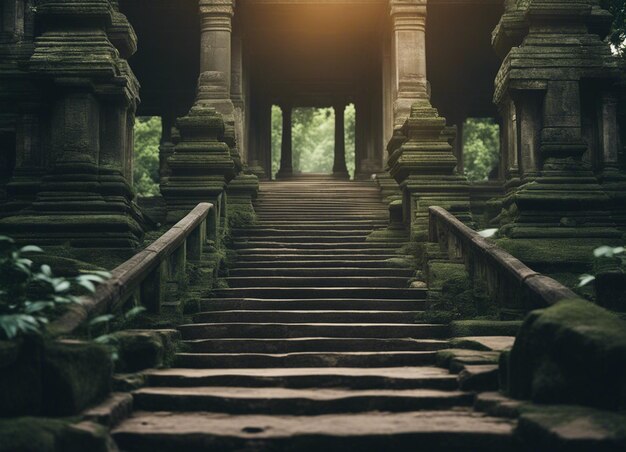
column 313, row 346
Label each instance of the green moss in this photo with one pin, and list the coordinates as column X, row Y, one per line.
column 138, row 350
column 569, row 427
column 400, row 262
column 572, row 352
column 554, row 255
column 468, row 344
column 30, row 434
column 75, row 374
column 21, row 389
column 463, row 328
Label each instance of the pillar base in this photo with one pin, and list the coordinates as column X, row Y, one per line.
column 241, row 191
column 341, row 175
column 99, row 215
column 201, row 165
column 423, row 164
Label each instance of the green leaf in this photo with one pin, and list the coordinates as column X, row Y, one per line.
column 487, row 233
column 586, row 279
column 31, row 249
column 38, row 306
column 87, row 285
column 101, row 319
column 46, row 270
column 134, row 312
column 61, row 285
column 4, row 238
column 603, row 251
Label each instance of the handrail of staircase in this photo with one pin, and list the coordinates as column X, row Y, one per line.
column 145, row 274
column 509, row 281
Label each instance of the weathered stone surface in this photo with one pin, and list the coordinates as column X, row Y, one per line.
column 53, row 435
column 144, row 349
column 115, row 408
column 20, row 378
column 463, row 328
column 571, row 428
column 479, row 377
column 75, row 375
column 572, row 352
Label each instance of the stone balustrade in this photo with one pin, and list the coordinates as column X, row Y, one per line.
column 144, row 276
column 510, row 282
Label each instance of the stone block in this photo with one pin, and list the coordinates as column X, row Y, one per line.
column 75, row 375
column 573, row 352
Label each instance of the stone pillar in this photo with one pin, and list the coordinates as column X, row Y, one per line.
column 286, row 151
column 166, row 147
column 237, row 96
column 214, row 86
column 84, row 198
column 559, row 203
column 421, row 158
column 340, row 170
column 258, row 112
column 408, row 55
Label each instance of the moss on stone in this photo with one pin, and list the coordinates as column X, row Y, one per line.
column 570, row 427
column 75, row 374
column 400, row 262
column 21, row 388
column 30, row 434
column 572, row 352
column 462, row 328
column 556, row 255
column 468, row 344
column 138, row 350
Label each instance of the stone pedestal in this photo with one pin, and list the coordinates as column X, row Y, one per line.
column 422, row 161
column 558, row 211
column 84, row 197
column 241, row 192
column 201, row 165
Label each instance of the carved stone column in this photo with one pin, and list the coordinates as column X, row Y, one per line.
column 340, row 170
column 214, row 86
column 286, row 151
column 421, row 158
column 408, row 55
column 85, row 195
column 559, row 212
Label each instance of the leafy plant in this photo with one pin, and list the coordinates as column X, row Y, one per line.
column 604, row 252
column 104, row 322
column 30, row 297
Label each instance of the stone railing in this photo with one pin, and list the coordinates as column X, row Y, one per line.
column 144, row 275
column 511, row 283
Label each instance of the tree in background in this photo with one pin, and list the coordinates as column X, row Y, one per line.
column 146, row 163
column 481, row 148
column 617, row 36
column 313, row 139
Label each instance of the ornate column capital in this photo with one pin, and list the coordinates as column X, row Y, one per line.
column 408, row 14
column 217, row 7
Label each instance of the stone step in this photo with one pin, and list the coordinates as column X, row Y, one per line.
column 321, row 224
column 263, row 270
column 285, row 258
column 304, row 359
column 277, row 247
column 257, row 304
column 321, row 281
column 346, row 210
column 424, row 431
column 324, row 377
column 330, row 330
column 243, row 400
column 302, row 252
column 295, row 316
column 337, row 264
column 317, row 344
column 320, row 292
column 254, row 231
column 309, row 241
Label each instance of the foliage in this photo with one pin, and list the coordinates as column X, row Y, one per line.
column 617, row 35
column 481, row 148
column 608, row 252
column 146, row 163
column 30, row 297
column 313, row 139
